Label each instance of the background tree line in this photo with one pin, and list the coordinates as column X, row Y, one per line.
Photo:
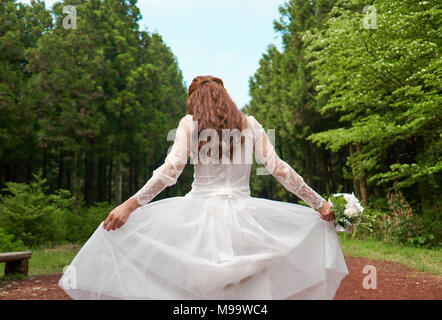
column 354, row 108
column 89, row 107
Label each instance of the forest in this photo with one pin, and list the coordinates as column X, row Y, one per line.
column 88, row 107
column 355, row 100
column 354, row 97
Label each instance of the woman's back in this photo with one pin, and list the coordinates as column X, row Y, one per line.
column 224, row 171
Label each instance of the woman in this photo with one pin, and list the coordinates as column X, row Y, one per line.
column 216, row 242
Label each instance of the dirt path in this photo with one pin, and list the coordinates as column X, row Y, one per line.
column 394, row 281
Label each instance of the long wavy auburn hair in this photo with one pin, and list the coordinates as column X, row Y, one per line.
column 210, row 104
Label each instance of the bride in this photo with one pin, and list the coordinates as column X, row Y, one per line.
column 217, row 241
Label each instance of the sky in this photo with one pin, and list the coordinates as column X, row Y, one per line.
column 223, row 38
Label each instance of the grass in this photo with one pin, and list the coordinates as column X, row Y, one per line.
column 52, row 260
column 420, row 259
column 47, row 260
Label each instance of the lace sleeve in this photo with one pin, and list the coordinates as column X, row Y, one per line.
column 168, row 173
column 282, row 171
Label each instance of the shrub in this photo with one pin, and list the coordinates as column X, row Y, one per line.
column 402, row 225
column 32, row 216
column 29, row 214
column 369, row 224
column 8, row 242
column 81, row 224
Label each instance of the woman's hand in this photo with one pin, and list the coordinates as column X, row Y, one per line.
column 118, row 216
column 326, row 212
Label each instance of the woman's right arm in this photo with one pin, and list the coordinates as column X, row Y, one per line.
column 162, row 177
column 285, row 174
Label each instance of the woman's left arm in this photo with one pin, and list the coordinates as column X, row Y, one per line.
column 286, row 175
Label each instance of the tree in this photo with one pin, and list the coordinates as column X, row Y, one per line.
column 283, row 95
column 385, row 84
column 91, row 106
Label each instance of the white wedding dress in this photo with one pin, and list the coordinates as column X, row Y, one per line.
column 216, row 242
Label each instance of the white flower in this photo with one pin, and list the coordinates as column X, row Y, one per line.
column 352, row 208
column 351, row 212
column 352, row 201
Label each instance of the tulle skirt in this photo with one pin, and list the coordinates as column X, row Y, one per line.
column 219, row 247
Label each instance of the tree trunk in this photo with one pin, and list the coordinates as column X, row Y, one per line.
column 324, row 172
column 29, row 168
column 69, row 176
column 308, row 164
column 426, row 193
column 118, row 180
column 2, row 177
column 109, row 182
column 131, row 174
column 353, row 171
column 101, row 180
column 330, row 179
column 362, row 180
column 364, row 191
column 44, row 162
column 86, row 180
column 89, row 180
column 135, row 182
column 60, row 170
column 76, row 188
column 14, row 172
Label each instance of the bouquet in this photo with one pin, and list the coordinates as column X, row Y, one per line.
column 347, row 210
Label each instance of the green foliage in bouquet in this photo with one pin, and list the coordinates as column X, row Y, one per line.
column 338, row 208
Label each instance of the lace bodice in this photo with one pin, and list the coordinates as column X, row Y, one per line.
column 230, row 175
